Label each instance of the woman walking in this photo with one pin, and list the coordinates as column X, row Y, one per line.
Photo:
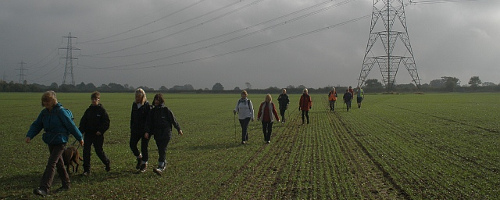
column 244, row 108
column 138, row 116
column 57, row 122
column 283, row 102
column 332, row 98
column 267, row 114
column 305, row 104
column 159, row 124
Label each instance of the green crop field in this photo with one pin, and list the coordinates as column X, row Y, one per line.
column 409, row 146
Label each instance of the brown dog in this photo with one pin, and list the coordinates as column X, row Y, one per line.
column 70, row 156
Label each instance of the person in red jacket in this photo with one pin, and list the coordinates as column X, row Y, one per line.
column 305, row 104
column 267, row 114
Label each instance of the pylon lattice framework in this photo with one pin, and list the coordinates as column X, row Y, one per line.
column 68, row 67
column 388, row 62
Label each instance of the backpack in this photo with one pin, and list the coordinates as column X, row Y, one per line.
column 248, row 104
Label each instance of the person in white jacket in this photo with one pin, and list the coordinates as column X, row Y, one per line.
column 244, row 108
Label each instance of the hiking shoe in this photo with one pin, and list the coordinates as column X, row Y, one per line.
column 159, row 170
column 40, row 192
column 243, row 142
column 86, row 173
column 143, row 167
column 108, row 168
column 139, row 162
column 268, row 142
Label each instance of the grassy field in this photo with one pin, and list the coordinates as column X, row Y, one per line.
column 430, row 146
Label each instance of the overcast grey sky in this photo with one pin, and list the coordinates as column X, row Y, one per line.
column 264, row 42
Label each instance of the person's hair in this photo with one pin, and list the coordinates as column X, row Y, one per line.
column 268, row 97
column 159, row 97
column 284, row 90
column 141, row 92
column 244, row 92
column 305, row 90
column 49, row 97
column 95, row 95
column 333, row 88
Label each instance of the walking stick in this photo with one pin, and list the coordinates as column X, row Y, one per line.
column 234, row 122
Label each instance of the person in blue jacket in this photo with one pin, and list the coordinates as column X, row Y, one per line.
column 57, row 123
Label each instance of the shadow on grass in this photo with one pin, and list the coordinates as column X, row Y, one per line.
column 17, row 186
column 215, row 146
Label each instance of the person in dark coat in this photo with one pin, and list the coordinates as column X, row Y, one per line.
column 57, row 122
column 283, row 102
column 159, row 123
column 138, row 116
column 305, row 104
column 94, row 123
column 347, row 99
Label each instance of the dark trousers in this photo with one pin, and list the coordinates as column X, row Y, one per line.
column 244, row 128
column 135, row 136
column 282, row 113
column 55, row 161
column 332, row 105
column 161, row 143
column 267, row 129
column 98, row 141
column 348, row 105
column 306, row 113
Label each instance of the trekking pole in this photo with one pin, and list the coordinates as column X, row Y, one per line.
column 234, row 122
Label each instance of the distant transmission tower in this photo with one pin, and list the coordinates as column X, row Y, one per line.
column 390, row 54
column 21, row 72
column 68, row 67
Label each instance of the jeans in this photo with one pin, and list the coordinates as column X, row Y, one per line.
column 282, row 113
column 244, row 128
column 306, row 113
column 162, row 143
column 55, row 161
column 332, row 105
column 267, row 129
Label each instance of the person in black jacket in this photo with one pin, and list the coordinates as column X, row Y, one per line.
column 138, row 116
column 159, row 124
column 283, row 102
column 347, row 99
column 94, row 122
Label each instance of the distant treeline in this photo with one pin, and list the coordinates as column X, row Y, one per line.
column 371, row 86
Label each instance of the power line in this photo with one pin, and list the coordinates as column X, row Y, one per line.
column 244, row 49
column 183, row 30
column 242, row 29
column 138, row 27
column 238, row 37
column 168, row 27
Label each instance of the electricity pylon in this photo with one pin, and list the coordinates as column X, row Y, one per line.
column 21, row 72
column 68, row 67
column 390, row 54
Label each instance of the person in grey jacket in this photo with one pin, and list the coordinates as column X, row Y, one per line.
column 57, row 123
column 244, row 108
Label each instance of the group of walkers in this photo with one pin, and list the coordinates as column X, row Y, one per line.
column 146, row 121
column 347, row 97
column 57, row 122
